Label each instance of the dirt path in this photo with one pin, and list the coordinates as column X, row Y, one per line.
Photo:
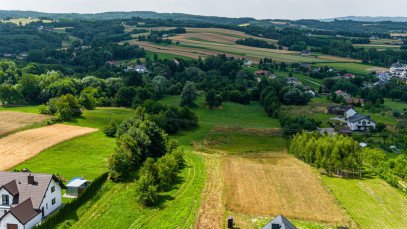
column 11, row 121
column 22, row 146
column 212, row 206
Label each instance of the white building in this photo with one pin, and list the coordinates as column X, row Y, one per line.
column 342, row 93
column 359, row 122
column 27, row 198
column 140, row 69
column 398, row 68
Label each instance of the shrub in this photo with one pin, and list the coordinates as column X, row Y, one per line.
column 119, row 164
column 146, row 190
column 111, row 129
column 396, row 113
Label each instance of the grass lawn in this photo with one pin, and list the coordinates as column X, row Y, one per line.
column 231, row 114
column 84, row 155
column 25, row 109
column 114, row 203
column 395, row 105
column 163, row 56
column 371, row 202
column 355, row 68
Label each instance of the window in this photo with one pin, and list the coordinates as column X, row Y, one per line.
column 52, row 189
column 4, row 200
column 53, row 201
column 46, row 205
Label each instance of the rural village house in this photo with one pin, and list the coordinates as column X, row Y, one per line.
column 247, row 63
column 140, row 69
column 306, row 52
column 359, row 122
column 338, row 110
column 342, row 93
column 27, row 198
column 355, row 102
column 398, row 68
column 261, row 73
column 351, row 112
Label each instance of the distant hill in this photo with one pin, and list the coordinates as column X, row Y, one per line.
column 127, row 15
column 367, row 19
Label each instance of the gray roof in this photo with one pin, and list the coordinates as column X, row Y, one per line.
column 358, row 117
column 35, row 192
column 281, row 221
column 398, row 65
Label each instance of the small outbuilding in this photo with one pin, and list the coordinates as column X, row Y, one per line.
column 280, row 222
column 75, row 187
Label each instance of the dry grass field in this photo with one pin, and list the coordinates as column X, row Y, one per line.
column 11, row 121
column 269, row 184
column 19, row 147
column 212, row 206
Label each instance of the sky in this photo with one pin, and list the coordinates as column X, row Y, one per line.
column 260, row 9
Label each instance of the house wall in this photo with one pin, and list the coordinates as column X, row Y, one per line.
column 34, row 221
column 47, row 201
column 355, row 125
column 5, row 207
column 10, row 219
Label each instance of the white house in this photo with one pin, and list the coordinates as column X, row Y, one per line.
column 342, row 93
column 398, row 68
column 359, row 122
column 140, row 69
column 27, row 198
column 351, row 112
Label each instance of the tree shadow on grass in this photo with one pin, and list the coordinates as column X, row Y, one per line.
column 365, row 176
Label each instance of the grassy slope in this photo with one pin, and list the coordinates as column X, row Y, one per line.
column 354, row 68
column 371, row 202
column 25, row 109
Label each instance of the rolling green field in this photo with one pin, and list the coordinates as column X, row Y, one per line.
column 355, row 68
column 24, row 109
column 371, row 202
column 114, row 203
column 163, row 56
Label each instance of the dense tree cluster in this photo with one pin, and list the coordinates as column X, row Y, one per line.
column 256, row 43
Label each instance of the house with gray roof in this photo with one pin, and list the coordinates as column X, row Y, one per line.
column 280, row 222
column 27, row 198
column 140, row 69
column 398, row 67
column 360, row 122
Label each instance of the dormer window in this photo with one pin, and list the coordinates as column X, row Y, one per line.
column 5, row 200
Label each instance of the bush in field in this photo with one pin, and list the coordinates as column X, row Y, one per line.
column 168, row 170
column 111, row 129
column 119, row 164
column 189, row 95
column 146, row 190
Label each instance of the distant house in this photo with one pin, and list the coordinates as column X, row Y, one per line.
column 111, row 63
column 374, row 37
column 317, row 69
column 175, row 61
column 398, row 67
column 349, row 75
column 355, row 102
column 292, row 81
column 164, row 35
column 280, row 222
column 247, row 63
column 338, row 110
column 399, row 42
column 359, row 122
column 23, row 54
column 27, row 198
column 339, row 35
column 351, row 112
column 7, row 54
column 306, row 52
column 385, row 77
column 309, row 34
column 342, row 93
column 272, row 76
column 311, row 92
column 140, row 69
column 261, row 73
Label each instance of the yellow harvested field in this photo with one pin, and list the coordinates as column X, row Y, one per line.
column 398, row 34
column 11, row 121
column 226, row 31
column 22, row 146
column 212, row 207
column 337, row 58
column 270, row 184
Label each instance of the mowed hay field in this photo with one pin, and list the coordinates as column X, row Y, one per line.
column 269, row 184
column 11, row 121
column 19, row 147
column 371, row 202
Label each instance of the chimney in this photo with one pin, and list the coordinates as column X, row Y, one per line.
column 30, row 179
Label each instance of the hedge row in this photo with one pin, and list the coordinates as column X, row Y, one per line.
column 65, row 211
